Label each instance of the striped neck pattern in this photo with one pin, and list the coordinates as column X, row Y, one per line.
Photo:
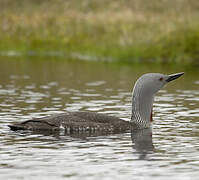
column 142, row 102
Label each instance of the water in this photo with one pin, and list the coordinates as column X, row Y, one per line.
column 35, row 88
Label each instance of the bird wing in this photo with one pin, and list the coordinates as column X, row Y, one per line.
column 74, row 121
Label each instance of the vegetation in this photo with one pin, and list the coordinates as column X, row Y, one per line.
column 122, row 30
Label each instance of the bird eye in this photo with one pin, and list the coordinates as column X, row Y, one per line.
column 161, row 79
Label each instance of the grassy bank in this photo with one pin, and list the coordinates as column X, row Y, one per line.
column 136, row 30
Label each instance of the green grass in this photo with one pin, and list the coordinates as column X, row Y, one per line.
column 122, row 30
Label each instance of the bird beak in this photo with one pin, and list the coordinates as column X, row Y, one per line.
column 174, row 76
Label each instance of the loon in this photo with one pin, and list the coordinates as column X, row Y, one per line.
column 142, row 101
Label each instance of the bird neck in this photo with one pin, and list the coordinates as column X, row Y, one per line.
column 142, row 103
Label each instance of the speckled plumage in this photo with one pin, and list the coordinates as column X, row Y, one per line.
column 142, row 100
column 75, row 122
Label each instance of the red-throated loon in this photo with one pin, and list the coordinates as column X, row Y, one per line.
column 142, row 101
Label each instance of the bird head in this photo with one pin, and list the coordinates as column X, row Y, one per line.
column 153, row 82
column 143, row 96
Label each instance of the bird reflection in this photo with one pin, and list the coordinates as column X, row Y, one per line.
column 141, row 138
column 142, row 142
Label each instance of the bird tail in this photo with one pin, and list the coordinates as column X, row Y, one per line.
column 15, row 127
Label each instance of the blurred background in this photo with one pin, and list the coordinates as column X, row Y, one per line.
column 105, row 30
column 86, row 55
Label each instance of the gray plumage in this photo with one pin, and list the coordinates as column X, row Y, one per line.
column 75, row 122
column 142, row 100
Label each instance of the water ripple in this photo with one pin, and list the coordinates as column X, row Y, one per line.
column 57, row 156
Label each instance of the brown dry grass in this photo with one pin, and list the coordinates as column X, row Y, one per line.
column 134, row 29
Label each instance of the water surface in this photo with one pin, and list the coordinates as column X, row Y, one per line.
column 35, row 88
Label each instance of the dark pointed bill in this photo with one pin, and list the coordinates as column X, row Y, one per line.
column 174, row 76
